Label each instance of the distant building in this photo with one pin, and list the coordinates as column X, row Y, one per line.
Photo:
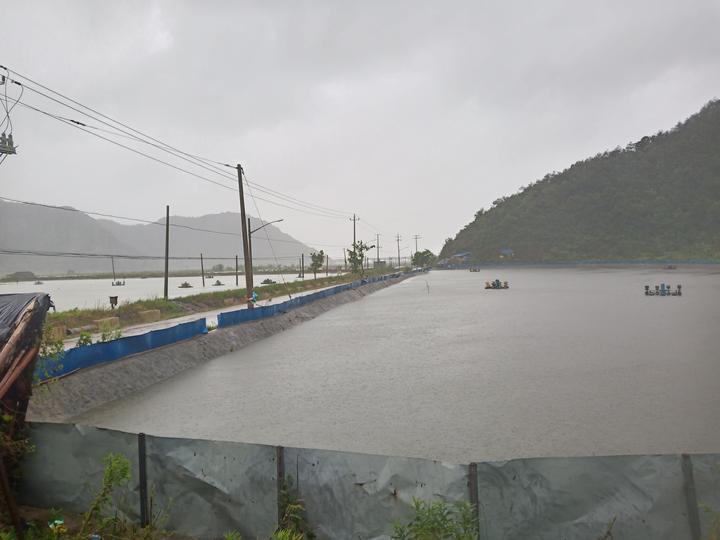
column 458, row 259
column 20, row 276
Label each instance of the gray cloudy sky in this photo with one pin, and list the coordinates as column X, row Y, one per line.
column 413, row 114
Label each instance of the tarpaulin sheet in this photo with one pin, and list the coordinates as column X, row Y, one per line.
column 98, row 353
column 211, row 488
column 706, row 471
column 12, row 305
column 66, row 469
column 576, row 498
column 360, row 496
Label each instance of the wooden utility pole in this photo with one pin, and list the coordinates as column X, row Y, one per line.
column 112, row 261
column 167, row 250
column 236, row 271
column 245, row 239
column 377, row 249
column 397, row 237
column 302, row 265
column 202, row 270
column 327, row 265
column 345, row 257
column 416, row 237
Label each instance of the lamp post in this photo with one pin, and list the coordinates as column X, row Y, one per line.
column 250, row 233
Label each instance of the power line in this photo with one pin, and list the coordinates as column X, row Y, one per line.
column 107, row 117
column 79, row 125
column 82, row 127
column 83, row 255
column 366, row 222
column 191, row 158
column 7, row 121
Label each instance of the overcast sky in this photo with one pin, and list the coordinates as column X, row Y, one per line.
column 412, row 114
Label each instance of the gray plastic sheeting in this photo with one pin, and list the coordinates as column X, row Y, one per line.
column 66, row 469
column 360, row 496
column 210, row 488
column 707, row 487
column 576, row 498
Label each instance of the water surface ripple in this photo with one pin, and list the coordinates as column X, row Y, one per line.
column 566, row 362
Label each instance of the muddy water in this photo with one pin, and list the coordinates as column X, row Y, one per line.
column 566, row 362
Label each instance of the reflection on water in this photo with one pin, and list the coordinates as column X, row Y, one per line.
column 91, row 293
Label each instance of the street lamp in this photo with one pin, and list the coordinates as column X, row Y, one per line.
column 250, row 233
column 263, row 225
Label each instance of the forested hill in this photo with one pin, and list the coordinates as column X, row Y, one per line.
column 658, row 198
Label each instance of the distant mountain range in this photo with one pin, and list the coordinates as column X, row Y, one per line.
column 33, row 228
column 657, row 198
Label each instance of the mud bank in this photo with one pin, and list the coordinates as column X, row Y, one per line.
column 75, row 394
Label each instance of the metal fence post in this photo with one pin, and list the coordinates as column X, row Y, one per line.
column 691, row 497
column 142, row 470
column 280, row 464
column 474, row 496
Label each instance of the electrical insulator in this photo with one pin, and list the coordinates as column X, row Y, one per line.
column 7, row 146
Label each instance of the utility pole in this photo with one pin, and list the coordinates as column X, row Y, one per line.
column 327, row 265
column 202, row 270
column 377, row 248
column 167, row 249
column 416, row 237
column 245, row 238
column 354, row 219
column 236, row 271
column 250, row 244
column 345, row 257
column 112, row 261
column 397, row 237
column 302, row 265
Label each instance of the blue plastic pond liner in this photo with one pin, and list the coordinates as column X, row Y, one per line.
column 239, row 316
column 99, row 353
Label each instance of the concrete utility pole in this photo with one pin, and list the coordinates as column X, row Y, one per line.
column 245, row 236
column 202, row 270
column 397, row 237
column 416, row 237
column 250, row 243
column 377, row 249
column 354, row 219
column 167, row 250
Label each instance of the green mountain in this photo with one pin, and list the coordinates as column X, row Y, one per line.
column 658, row 198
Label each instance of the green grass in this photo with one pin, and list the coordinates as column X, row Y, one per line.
column 129, row 312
